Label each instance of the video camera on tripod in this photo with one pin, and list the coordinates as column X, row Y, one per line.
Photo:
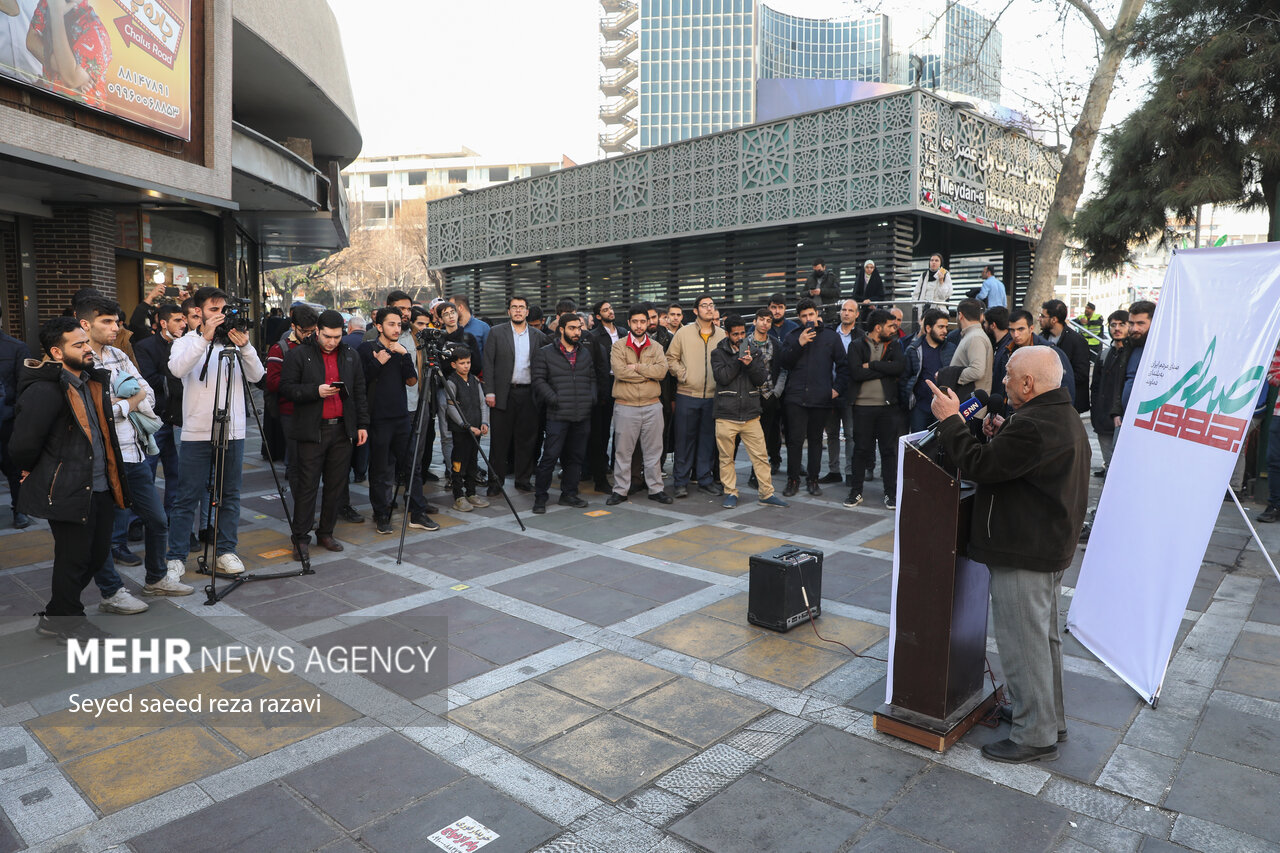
column 236, row 319
column 435, row 349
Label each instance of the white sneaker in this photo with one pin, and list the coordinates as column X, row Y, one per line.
column 122, row 602
column 229, row 564
column 176, row 569
column 169, row 584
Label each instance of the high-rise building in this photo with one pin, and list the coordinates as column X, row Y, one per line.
column 676, row 69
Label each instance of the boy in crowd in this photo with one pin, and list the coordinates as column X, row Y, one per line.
column 463, row 403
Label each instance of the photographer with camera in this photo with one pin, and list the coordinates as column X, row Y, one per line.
column 324, row 381
column 740, row 370
column 191, row 360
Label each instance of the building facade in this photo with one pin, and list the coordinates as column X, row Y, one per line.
column 204, row 153
column 678, row 69
column 378, row 186
column 742, row 214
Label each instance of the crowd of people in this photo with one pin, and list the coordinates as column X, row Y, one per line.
column 642, row 398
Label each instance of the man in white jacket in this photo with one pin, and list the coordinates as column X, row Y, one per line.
column 933, row 287
column 194, row 359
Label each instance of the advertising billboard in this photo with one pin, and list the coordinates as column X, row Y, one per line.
column 129, row 58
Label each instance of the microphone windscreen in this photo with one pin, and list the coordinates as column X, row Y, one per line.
column 982, row 397
column 996, row 404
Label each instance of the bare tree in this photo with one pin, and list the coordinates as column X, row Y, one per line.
column 1113, row 43
column 286, row 282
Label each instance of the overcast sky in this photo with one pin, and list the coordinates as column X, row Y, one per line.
column 516, row 80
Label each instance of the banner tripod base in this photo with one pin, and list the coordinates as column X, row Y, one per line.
column 1254, row 533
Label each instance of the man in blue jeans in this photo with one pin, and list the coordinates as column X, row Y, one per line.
column 99, row 317
column 694, row 423
column 194, row 359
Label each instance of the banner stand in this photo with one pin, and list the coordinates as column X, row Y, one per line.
column 1253, row 531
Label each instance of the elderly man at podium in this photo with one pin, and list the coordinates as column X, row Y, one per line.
column 1033, row 488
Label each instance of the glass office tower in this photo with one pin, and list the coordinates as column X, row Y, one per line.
column 697, row 68
column 822, row 49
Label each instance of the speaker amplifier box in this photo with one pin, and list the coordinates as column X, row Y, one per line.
column 774, row 598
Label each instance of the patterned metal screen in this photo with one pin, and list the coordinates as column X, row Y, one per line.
column 908, row 152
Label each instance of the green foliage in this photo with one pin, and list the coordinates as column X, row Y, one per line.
column 1209, row 131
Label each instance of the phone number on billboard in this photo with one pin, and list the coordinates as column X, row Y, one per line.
column 125, row 93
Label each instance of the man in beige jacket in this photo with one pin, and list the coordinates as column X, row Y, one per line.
column 694, row 427
column 639, row 366
column 973, row 354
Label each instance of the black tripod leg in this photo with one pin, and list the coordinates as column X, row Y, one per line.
column 415, row 460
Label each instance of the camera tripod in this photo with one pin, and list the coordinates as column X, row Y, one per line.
column 435, row 381
column 228, row 360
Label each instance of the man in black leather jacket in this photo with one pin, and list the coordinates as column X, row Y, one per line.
column 740, row 370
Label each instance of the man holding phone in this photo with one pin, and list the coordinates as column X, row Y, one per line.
column 323, row 379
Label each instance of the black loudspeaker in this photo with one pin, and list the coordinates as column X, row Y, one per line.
column 774, row 599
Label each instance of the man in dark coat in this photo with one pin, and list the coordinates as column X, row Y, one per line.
column 564, row 380
column 152, row 353
column 1107, row 380
column 817, row 373
column 823, row 287
column 1053, row 325
column 13, row 353
column 323, row 379
column 74, row 473
column 508, row 392
column 1033, row 487
column 875, row 364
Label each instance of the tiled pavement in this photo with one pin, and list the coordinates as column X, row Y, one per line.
column 604, row 692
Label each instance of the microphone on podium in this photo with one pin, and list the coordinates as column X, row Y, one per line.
column 968, row 409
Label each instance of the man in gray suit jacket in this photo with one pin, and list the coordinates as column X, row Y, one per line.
column 508, row 378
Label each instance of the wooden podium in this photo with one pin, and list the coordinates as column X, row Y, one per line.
column 940, row 612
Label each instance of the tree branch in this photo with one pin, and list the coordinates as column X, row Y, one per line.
column 1083, row 7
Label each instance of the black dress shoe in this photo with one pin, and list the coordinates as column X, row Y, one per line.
column 1007, row 752
column 661, row 497
column 20, row 520
column 348, row 514
column 493, row 491
column 792, row 488
column 752, row 481
column 301, row 551
column 125, row 557
column 614, row 499
column 832, row 477
column 682, row 491
column 329, row 543
column 572, row 500
column 713, row 489
column 812, row 485
column 1005, row 714
column 524, row 486
column 539, row 507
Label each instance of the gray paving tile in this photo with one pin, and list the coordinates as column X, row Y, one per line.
column 603, row 570
column 506, row 639
column 297, row 610
column 518, row 828
column 460, row 614
column 657, row 585
column 882, row 839
column 464, row 665
column 1251, row 678
column 1138, row 773
column 1257, row 647
column 1230, row 794
column 848, row 770
column 365, row 783
column 10, row 841
column 464, row 566
column 1082, row 757
column 1107, row 703
column 963, row 813
column 542, row 587
column 602, row 605
column 755, row 814
column 526, row 548
column 1236, row 736
column 375, row 589
column 875, row 595
column 266, row 818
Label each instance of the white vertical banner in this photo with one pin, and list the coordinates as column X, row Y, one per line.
column 910, row 438
column 1202, row 370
